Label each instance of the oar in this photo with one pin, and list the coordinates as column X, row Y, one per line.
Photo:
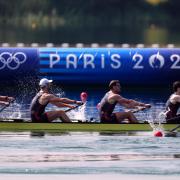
column 83, row 97
column 5, row 106
column 171, row 133
column 140, row 109
column 67, row 110
column 172, row 130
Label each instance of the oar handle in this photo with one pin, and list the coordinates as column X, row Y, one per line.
column 83, row 97
column 140, row 109
column 74, row 107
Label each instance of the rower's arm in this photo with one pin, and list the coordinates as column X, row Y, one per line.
column 63, row 100
column 4, row 103
column 57, row 101
column 134, row 104
column 129, row 103
column 177, row 98
column 3, row 98
column 68, row 101
column 6, row 98
column 122, row 101
column 60, row 104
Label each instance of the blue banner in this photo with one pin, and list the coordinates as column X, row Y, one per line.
column 92, row 65
column 18, row 62
column 99, row 65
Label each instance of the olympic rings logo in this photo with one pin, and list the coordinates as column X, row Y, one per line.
column 12, row 61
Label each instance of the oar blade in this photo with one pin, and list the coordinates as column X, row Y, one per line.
column 170, row 134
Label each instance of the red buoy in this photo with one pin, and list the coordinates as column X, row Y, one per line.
column 158, row 134
column 83, row 96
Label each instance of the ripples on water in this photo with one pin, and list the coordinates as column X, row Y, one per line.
column 88, row 153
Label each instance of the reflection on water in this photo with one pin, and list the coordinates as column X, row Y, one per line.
column 37, row 134
column 88, row 153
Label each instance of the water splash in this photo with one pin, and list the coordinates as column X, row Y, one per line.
column 16, row 111
column 13, row 111
column 79, row 114
column 156, row 124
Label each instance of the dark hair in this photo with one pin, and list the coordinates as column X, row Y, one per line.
column 176, row 85
column 113, row 83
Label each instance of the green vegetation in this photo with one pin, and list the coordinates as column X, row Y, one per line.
column 141, row 16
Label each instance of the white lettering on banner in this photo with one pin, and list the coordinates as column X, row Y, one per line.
column 12, row 61
column 89, row 60
column 116, row 58
column 138, row 59
column 155, row 61
column 54, row 59
column 71, row 60
column 102, row 61
column 176, row 59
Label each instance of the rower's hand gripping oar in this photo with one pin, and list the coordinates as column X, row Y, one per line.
column 83, row 97
column 74, row 107
column 7, row 105
column 141, row 108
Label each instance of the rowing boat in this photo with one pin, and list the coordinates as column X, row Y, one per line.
column 78, row 126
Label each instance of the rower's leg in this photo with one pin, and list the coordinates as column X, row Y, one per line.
column 126, row 115
column 52, row 115
column 132, row 117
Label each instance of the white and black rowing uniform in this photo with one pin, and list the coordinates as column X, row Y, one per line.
column 172, row 115
column 38, row 110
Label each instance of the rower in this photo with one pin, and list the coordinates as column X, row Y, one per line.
column 43, row 98
column 109, row 101
column 173, row 104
